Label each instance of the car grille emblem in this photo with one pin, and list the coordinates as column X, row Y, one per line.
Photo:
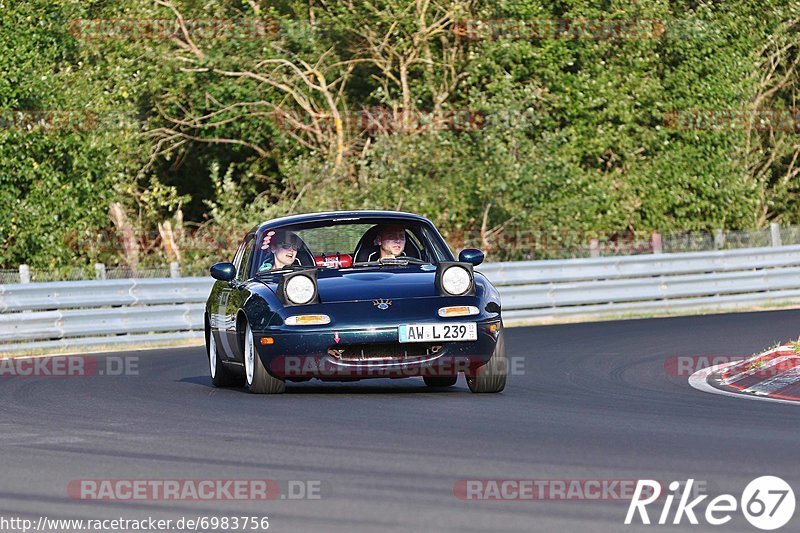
column 383, row 305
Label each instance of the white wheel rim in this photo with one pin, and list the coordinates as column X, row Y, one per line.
column 249, row 357
column 212, row 355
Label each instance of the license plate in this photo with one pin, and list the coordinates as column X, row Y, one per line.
column 467, row 331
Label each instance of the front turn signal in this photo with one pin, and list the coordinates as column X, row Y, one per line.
column 458, row 310
column 308, row 320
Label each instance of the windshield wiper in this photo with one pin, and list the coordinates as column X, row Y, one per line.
column 400, row 261
column 289, row 268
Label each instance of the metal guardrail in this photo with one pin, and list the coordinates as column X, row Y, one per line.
column 540, row 291
column 82, row 314
column 76, row 315
column 122, row 292
column 632, row 266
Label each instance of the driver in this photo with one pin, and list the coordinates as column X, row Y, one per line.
column 391, row 242
column 283, row 246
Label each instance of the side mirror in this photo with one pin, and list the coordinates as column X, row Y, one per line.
column 471, row 255
column 223, row 271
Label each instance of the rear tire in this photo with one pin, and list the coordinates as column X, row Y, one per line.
column 221, row 376
column 491, row 377
column 257, row 379
column 440, row 381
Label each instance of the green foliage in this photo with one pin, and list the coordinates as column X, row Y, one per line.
column 579, row 134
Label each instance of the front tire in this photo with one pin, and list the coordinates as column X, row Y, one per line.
column 221, row 376
column 491, row 377
column 257, row 379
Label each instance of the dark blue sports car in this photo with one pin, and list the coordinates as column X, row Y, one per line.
column 351, row 295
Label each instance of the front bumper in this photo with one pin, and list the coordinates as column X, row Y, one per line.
column 301, row 355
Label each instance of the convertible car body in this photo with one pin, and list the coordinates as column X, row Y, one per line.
column 351, row 295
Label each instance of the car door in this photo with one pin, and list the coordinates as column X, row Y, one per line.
column 220, row 319
column 234, row 297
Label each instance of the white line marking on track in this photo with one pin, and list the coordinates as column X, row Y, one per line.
column 699, row 381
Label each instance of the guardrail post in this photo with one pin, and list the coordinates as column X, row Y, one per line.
column 24, row 274
column 594, row 248
column 719, row 239
column 657, row 243
column 174, row 269
column 775, row 233
column 99, row 271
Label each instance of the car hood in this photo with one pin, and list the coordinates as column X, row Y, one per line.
column 413, row 281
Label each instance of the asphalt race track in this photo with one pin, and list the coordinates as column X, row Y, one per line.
column 593, row 401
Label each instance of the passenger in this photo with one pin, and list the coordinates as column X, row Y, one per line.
column 283, row 246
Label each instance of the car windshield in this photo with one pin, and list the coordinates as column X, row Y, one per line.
column 348, row 244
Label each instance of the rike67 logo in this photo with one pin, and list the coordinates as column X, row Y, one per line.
column 767, row 502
